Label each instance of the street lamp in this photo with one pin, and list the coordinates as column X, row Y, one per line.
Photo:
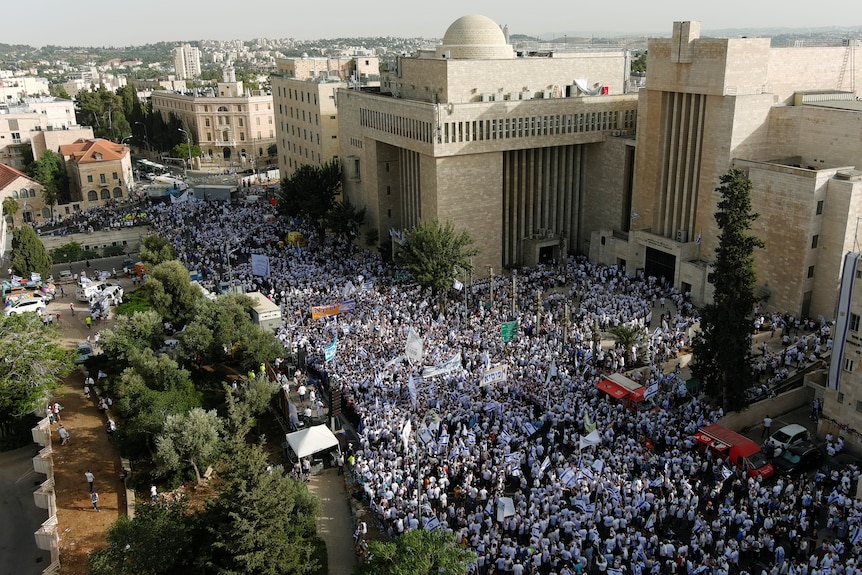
column 146, row 135
column 189, row 146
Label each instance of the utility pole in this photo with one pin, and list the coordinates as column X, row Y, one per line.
column 491, row 277
column 514, row 296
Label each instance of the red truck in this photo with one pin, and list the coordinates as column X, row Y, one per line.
column 734, row 449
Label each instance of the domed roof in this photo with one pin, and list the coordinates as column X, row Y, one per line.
column 474, row 37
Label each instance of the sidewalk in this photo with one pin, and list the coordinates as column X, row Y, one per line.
column 335, row 523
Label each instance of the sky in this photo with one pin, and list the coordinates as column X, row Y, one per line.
column 64, row 23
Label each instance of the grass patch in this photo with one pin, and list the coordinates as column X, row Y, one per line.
column 132, row 302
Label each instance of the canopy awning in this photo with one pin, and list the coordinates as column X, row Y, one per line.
column 311, row 440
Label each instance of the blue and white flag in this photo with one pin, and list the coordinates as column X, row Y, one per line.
column 725, row 472
column 699, row 237
column 432, row 524
column 529, row 428
column 457, row 285
column 568, row 477
column 545, row 464
column 425, row 436
column 513, row 459
column 329, row 351
column 471, row 438
column 411, row 389
column 651, row 390
column 856, row 536
column 450, row 364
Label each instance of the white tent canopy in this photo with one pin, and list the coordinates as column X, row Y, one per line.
column 311, row 440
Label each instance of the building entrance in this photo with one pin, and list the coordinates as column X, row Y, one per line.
column 660, row 264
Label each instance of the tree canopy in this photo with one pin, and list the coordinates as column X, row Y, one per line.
column 310, row 191
column 50, row 172
column 431, row 252
column 417, row 552
column 192, row 438
column 345, row 220
column 131, row 333
column 28, row 253
column 723, row 351
column 156, row 250
column 31, row 364
column 171, row 292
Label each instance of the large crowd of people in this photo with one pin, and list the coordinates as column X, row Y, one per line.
column 504, row 464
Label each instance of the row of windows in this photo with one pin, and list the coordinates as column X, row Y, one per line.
column 298, row 95
column 497, row 129
column 103, row 178
column 297, row 113
column 25, row 193
column 93, row 196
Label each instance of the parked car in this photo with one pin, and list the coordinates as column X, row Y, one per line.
column 787, row 436
column 35, row 305
column 65, row 276
column 798, row 458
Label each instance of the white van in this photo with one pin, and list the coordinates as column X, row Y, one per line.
column 85, row 292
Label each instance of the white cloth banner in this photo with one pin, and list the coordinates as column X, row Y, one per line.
column 260, row 265
column 450, row 364
column 414, row 348
column 591, row 440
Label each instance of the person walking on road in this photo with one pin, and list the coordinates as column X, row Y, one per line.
column 90, row 479
column 64, row 435
column 767, row 426
column 72, row 307
column 89, row 322
column 94, row 499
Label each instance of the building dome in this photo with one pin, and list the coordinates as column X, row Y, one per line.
column 474, row 37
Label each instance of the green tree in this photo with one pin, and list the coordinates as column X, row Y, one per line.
column 192, row 439
column 28, row 253
column 181, row 150
column 431, row 252
column 104, row 111
column 10, row 208
column 51, row 173
column 627, row 336
column 723, row 350
column 31, row 364
column 639, row 62
column 262, row 522
column 134, row 332
column 156, row 250
column 257, row 393
column 158, row 541
column 310, row 192
column 171, row 292
column 417, row 552
column 345, row 220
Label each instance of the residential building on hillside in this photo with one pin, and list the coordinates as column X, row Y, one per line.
column 789, row 118
column 529, row 151
column 187, row 62
column 232, row 125
column 306, row 116
column 100, row 171
column 30, row 126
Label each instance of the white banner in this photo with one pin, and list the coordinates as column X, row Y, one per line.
column 414, row 348
column 450, row 364
column 260, row 265
column 496, row 374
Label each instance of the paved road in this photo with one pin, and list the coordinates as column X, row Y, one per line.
column 335, row 523
column 19, row 516
column 106, row 264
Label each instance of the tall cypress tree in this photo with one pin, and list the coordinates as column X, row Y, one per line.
column 723, row 351
column 29, row 254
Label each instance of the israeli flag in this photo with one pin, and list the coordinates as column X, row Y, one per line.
column 432, row 524
column 725, row 472
column 856, row 536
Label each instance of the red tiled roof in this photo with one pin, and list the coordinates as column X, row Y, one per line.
column 9, row 175
column 98, row 150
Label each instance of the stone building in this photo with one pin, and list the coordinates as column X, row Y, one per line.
column 304, row 91
column 187, row 62
column 100, row 171
column 527, row 151
column 233, row 126
column 790, row 119
column 27, row 193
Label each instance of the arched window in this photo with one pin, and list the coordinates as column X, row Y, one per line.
column 223, row 109
column 46, row 213
column 24, row 193
column 32, row 193
column 118, row 192
column 14, row 194
column 106, row 195
column 92, row 196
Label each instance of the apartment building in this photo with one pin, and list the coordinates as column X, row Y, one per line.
column 304, row 102
column 187, row 62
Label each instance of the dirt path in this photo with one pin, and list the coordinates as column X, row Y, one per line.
column 82, row 529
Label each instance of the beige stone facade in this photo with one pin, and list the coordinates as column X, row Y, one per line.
column 505, row 146
column 100, row 171
column 27, row 193
column 304, row 92
column 234, row 127
column 710, row 104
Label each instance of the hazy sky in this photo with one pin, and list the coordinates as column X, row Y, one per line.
column 65, row 23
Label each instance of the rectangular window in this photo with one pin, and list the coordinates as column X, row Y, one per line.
column 103, row 179
column 854, row 322
column 115, row 175
column 849, row 364
column 815, row 239
column 90, row 179
column 811, row 271
column 819, row 207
